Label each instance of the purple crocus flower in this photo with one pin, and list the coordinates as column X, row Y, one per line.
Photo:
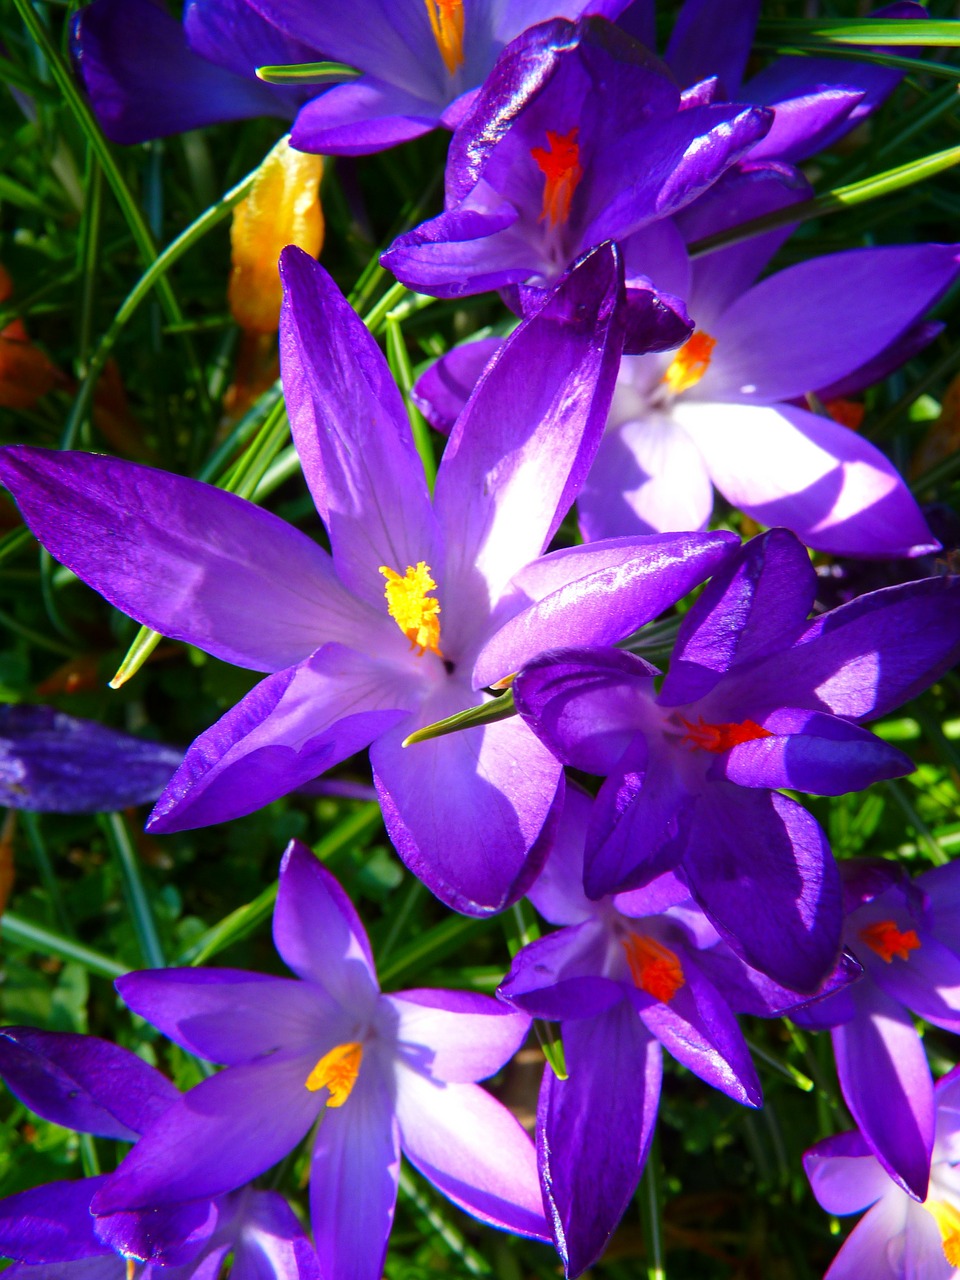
column 757, row 698
column 898, row 1239
column 381, row 1072
column 624, row 975
column 54, row 763
column 906, row 935
column 421, row 63
column 579, row 136
column 95, row 1087
column 352, row 664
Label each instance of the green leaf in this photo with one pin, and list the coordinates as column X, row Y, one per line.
column 890, row 31
column 301, row 73
column 487, row 713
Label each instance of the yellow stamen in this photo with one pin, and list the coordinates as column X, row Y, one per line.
column 887, row 941
column 337, row 1072
column 131, row 1268
column 690, row 363
column 559, row 162
column 446, row 22
column 414, row 612
column 654, row 968
column 947, row 1218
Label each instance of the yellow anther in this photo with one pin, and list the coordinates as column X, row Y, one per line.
column 414, row 612
column 654, row 968
column 446, row 22
column 947, row 1218
column 337, row 1072
column 690, row 363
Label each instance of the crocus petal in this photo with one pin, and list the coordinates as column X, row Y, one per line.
column 844, row 1175
column 364, row 116
column 442, row 390
column 471, row 815
column 808, row 751
column 353, row 1179
column 902, row 349
column 463, row 251
column 171, row 1236
column 145, row 82
column 886, row 1084
column 229, row 1015
column 875, row 1246
column 184, row 558
column 594, row 1130
column 225, row 1131
column 54, row 763
column 51, row 1223
column 784, row 465
column 351, row 430
column 762, row 870
column 83, row 1083
column 523, row 445
column 557, row 977
column 456, row 1036
column 929, row 984
column 747, row 990
column 557, row 892
column 770, row 340
column 234, row 35
column 757, row 603
column 802, row 122
column 473, row 1150
column 318, row 933
column 286, row 731
column 709, row 38
column 272, row 1244
column 598, row 594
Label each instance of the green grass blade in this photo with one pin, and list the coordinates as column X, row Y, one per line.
column 890, row 31
column 488, row 713
column 304, row 73
column 34, row 937
column 135, row 892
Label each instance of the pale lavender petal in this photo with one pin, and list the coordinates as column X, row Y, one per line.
column 51, row 1223
column 786, row 466
column 351, row 430
column 557, row 892
column 286, row 731
column 844, row 1175
column 473, row 1150
column 711, row 38
column 594, row 1130
column 185, row 558
column 928, row 983
column 887, row 1085
column 364, row 116
column 875, row 1246
column 441, row 391
column 272, row 1244
column 456, row 1036
column 229, row 1015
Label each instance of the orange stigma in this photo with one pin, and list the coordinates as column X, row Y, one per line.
column 337, row 1072
column 559, row 162
column 654, row 968
column 721, row 737
column 414, row 612
column 849, row 413
column 887, row 941
column 947, row 1218
column 446, row 23
column 690, row 363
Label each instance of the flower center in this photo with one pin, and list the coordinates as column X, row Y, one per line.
column 947, row 1218
column 446, row 22
column 337, row 1072
column 414, row 612
column 559, row 162
column 721, row 737
column 654, row 968
column 887, row 941
column 690, row 363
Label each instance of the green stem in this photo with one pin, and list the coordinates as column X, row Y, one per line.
column 135, row 891
column 651, row 1211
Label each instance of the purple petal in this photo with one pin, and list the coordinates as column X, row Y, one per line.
column 598, row 594
column 184, row 558
column 904, row 348
column 747, row 990
column 272, row 1244
column 560, row 976
column 809, row 751
column 523, row 445
column 225, row 1131
column 229, row 1015
column 594, row 1130
column 364, row 116
column 351, row 430
column 557, row 892
column 834, row 489
column 711, row 38
column 464, row 251
column 844, row 1175
column 441, row 392
column 51, row 1223
column 145, row 82
column 877, row 1245
column 473, row 1151
column 756, row 604
column 318, row 933
column 353, row 1179
column 83, row 1083
column 171, row 1236
column 456, row 1036
column 472, row 815
column 234, row 35
column 886, row 1084
column 803, row 121
column 770, row 341
column 286, row 731
column 928, row 983
column 761, row 868
column 54, row 763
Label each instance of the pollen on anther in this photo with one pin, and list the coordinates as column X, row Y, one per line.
column 947, row 1218
column 447, row 24
column 690, row 363
column 414, row 611
column 888, row 941
column 654, row 967
column 337, row 1072
column 559, row 162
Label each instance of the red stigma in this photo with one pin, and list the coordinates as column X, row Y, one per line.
column 559, row 162
column 721, row 737
column 887, row 941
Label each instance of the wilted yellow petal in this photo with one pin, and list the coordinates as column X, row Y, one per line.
column 282, row 208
